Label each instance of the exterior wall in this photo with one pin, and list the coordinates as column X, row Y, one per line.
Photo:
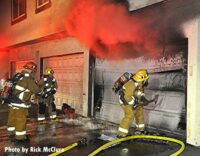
column 192, row 31
column 4, row 64
column 37, row 25
column 44, row 29
column 55, row 48
column 137, row 4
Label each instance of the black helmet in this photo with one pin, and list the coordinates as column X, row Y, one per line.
column 31, row 66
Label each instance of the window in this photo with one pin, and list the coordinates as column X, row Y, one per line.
column 42, row 5
column 18, row 10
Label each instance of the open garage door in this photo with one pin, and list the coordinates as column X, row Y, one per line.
column 168, row 80
column 69, row 75
column 18, row 66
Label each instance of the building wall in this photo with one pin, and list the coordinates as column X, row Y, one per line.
column 33, row 27
column 57, row 47
column 43, row 35
column 3, row 64
column 192, row 31
column 38, row 25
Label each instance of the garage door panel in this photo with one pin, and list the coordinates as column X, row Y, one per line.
column 69, row 75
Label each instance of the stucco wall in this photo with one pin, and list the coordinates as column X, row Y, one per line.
column 192, row 31
column 37, row 25
column 4, row 64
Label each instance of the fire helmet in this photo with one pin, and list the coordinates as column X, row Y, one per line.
column 49, row 71
column 31, row 66
column 141, row 75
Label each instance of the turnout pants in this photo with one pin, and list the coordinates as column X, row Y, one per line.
column 51, row 108
column 129, row 115
column 16, row 124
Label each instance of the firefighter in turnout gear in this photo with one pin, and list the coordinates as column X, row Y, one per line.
column 49, row 86
column 132, row 98
column 19, row 102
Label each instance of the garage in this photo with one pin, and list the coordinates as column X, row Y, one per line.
column 168, row 80
column 68, row 71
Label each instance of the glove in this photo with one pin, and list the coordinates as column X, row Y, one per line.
column 53, row 91
column 39, row 94
column 134, row 106
column 44, row 96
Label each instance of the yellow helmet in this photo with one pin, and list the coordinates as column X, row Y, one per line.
column 49, row 71
column 141, row 75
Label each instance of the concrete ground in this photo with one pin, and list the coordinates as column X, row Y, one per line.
column 54, row 135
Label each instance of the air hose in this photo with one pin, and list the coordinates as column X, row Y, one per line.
column 141, row 137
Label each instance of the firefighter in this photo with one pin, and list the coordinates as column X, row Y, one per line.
column 19, row 102
column 49, row 86
column 132, row 98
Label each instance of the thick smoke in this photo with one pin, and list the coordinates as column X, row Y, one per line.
column 110, row 30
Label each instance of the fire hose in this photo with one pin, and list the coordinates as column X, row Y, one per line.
column 81, row 142
column 141, row 137
column 84, row 140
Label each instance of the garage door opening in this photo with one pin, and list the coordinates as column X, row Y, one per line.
column 168, row 80
column 68, row 71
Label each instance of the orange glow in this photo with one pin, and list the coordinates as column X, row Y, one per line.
column 110, row 30
column 3, row 58
column 3, row 43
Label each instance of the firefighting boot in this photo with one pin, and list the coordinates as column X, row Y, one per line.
column 22, row 138
column 54, row 119
column 140, row 131
column 11, row 134
column 123, row 136
column 41, row 128
column 42, row 122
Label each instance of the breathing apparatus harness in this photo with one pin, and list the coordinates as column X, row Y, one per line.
column 139, row 91
column 49, row 87
column 135, row 100
column 13, row 93
column 10, row 85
